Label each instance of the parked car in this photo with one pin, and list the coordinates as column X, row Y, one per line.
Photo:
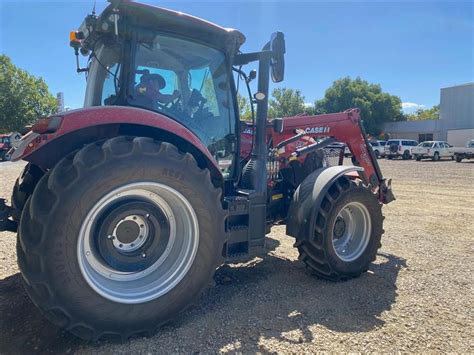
column 378, row 147
column 464, row 153
column 434, row 150
column 5, row 146
column 396, row 148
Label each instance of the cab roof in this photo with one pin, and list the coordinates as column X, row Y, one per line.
column 153, row 17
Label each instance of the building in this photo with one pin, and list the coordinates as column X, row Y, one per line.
column 456, row 122
column 60, row 101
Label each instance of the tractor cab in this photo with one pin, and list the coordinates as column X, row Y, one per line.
column 174, row 64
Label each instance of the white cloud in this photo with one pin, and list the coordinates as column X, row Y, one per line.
column 409, row 107
column 308, row 104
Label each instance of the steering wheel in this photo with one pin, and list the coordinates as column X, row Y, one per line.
column 170, row 106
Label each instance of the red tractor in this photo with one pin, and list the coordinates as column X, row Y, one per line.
column 127, row 206
column 5, row 146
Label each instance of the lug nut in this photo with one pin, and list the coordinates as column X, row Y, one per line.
column 120, row 245
column 110, row 237
column 143, row 255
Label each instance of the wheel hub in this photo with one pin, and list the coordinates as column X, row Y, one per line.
column 339, row 227
column 130, row 233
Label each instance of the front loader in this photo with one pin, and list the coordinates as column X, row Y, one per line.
column 127, row 206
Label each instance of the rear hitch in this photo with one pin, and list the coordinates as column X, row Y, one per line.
column 7, row 224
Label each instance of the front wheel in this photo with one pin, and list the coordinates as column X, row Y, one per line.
column 347, row 232
column 436, row 156
column 117, row 240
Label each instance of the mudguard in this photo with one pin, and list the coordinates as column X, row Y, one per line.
column 309, row 195
column 94, row 123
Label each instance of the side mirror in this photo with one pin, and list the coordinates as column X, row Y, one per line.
column 277, row 46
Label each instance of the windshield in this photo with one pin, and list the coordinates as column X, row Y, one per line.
column 183, row 80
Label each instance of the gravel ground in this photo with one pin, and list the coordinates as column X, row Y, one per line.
column 417, row 296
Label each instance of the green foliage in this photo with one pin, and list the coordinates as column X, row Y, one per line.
column 427, row 114
column 23, row 97
column 377, row 107
column 244, row 108
column 286, row 103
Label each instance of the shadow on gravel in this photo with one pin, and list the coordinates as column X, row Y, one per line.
column 23, row 329
column 272, row 297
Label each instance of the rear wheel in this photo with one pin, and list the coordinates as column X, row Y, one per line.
column 406, row 155
column 24, row 187
column 417, row 157
column 458, row 158
column 116, row 239
column 347, row 232
column 436, row 156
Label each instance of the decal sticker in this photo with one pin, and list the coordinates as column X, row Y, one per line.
column 317, row 130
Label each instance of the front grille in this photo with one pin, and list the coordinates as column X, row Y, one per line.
column 334, row 154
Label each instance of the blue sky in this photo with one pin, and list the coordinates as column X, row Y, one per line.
column 411, row 48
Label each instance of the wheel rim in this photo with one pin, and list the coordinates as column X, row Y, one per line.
column 138, row 242
column 351, row 231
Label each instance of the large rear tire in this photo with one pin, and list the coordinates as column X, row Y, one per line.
column 24, row 186
column 347, row 233
column 120, row 237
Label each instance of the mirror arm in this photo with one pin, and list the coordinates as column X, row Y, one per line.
column 78, row 66
column 246, row 58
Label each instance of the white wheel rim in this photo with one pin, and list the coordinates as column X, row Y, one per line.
column 352, row 229
column 170, row 266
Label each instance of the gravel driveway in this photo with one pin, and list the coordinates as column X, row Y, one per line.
column 418, row 296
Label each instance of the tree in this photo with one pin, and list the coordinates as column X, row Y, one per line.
column 244, row 108
column 377, row 107
column 286, row 103
column 427, row 114
column 23, row 97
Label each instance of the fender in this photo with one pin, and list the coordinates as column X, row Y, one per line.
column 101, row 122
column 309, row 195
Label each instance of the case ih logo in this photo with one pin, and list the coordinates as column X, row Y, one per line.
column 316, row 130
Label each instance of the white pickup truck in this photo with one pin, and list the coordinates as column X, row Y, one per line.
column 464, row 153
column 434, row 150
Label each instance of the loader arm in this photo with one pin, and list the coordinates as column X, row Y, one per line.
column 345, row 127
